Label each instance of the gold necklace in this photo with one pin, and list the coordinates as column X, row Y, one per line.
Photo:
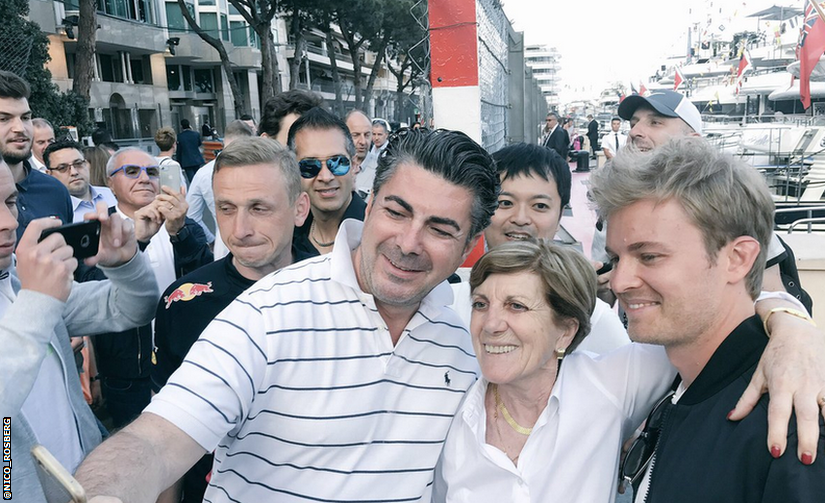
column 312, row 231
column 506, row 413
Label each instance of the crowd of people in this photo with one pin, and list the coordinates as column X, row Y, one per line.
column 289, row 321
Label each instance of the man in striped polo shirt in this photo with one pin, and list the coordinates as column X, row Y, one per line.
column 334, row 379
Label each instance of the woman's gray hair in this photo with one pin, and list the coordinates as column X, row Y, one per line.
column 723, row 197
column 568, row 279
column 253, row 150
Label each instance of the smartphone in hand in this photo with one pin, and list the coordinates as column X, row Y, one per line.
column 58, row 484
column 170, row 177
column 83, row 237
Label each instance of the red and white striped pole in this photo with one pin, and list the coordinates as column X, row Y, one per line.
column 454, row 66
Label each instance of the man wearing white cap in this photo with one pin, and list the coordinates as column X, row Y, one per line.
column 658, row 117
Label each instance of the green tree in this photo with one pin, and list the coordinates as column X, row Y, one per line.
column 259, row 14
column 25, row 52
column 217, row 44
column 408, row 55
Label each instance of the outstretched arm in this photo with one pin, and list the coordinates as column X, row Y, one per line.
column 139, row 462
column 792, row 369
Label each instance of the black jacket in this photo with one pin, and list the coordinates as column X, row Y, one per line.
column 558, row 141
column 593, row 133
column 701, row 456
column 300, row 237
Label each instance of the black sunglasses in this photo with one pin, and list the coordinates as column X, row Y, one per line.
column 641, row 451
column 338, row 165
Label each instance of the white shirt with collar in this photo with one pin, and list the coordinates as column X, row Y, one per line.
column 299, row 386
column 365, row 178
column 201, row 199
column 81, row 206
column 610, row 139
column 572, row 454
column 37, row 164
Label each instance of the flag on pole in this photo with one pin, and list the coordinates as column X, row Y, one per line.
column 633, row 89
column 678, row 79
column 642, row 89
column 744, row 66
column 811, row 46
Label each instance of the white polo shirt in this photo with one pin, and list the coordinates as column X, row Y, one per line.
column 298, row 385
column 572, row 455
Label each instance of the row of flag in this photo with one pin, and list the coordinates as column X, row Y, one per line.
column 810, row 48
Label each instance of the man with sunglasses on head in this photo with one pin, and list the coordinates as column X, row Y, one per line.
column 176, row 244
column 324, row 148
column 64, row 161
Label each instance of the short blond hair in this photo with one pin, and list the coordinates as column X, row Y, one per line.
column 722, row 196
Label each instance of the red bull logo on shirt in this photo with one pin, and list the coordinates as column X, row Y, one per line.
column 186, row 292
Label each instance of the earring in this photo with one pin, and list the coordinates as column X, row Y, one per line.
column 560, row 354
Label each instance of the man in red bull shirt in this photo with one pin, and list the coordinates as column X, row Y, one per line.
column 258, row 201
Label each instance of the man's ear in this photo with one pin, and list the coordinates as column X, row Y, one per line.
column 741, row 253
column 301, row 208
column 470, row 246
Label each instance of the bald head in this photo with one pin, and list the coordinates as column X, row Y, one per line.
column 360, row 127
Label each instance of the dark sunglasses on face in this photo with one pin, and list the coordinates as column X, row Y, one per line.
column 641, row 451
column 338, row 165
column 62, row 168
column 133, row 171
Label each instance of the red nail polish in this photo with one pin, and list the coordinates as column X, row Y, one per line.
column 775, row 452
column 729, row 415
column 807, row 459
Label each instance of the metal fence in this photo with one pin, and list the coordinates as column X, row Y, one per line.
column 14, row 53
column 492, row 72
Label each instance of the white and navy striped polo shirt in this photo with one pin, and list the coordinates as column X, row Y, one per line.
column 299, row 387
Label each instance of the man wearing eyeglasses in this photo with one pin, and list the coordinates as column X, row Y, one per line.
column 64, row 161
column 325, row 149
column 39, row 195
column 176, row 244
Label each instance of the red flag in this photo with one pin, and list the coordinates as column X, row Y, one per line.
column 642, row 89
column 678, row 79
column 622, row 97
column 744, row 66
column 811, row 47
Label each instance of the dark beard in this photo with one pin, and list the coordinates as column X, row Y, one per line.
column 12, row 158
